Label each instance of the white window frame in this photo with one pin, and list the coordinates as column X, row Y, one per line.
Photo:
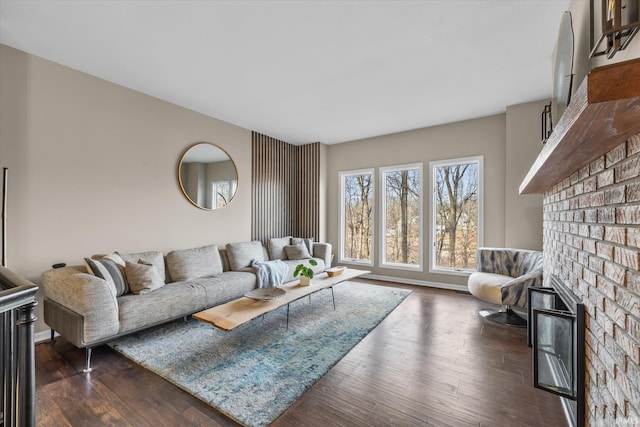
column 432, row 203
column 383, row 224
column 342, row 175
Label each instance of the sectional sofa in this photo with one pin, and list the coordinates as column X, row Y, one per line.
column 116, row 294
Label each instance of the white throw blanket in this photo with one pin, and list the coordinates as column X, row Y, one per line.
column 270, row 273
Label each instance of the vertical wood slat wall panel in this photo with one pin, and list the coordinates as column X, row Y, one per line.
column 284, row 188
column 308, row 185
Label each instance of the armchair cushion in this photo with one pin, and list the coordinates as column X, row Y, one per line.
column 487, row 286
column 519, row 268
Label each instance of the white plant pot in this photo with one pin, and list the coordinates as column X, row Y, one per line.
column 304, row 281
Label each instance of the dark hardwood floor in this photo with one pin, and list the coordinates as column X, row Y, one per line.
column 432, row 362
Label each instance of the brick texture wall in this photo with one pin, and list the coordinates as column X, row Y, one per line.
column 592, row 242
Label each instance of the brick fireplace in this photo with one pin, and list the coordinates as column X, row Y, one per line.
column 592, row 243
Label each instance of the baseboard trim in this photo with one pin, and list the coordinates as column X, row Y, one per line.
column 429, row 284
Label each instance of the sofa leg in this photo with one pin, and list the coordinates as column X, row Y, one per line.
column 53, row 335
column 505, row 316
column 88, row 367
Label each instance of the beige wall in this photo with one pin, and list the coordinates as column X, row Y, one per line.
column 93, row 168
column 484, row 136
column 523, row 213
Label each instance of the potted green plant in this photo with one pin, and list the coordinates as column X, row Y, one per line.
column 306, row 273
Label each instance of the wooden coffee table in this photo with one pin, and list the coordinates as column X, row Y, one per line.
column 239, row 311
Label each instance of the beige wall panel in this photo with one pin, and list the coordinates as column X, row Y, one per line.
column 523, row 213
column 485, row 136
column 93, row 168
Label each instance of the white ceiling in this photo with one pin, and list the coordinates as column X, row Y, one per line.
column 305, row 71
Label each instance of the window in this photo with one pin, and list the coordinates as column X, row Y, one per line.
column 402, row 217
column 222, row 192
column 356, row 216
column 457, row 214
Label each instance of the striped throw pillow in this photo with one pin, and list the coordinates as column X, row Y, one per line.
column 109, row 270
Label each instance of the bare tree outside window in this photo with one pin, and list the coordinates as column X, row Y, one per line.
column 402, row 216
column 456, row 210
column 357, row 208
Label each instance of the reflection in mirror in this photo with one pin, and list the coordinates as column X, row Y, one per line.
column 208, row 176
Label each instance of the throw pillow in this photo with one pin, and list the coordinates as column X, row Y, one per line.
column 298, row 251
column 110, row 271
column 276, row 247
column 143, row 277
column 154, row 257
column 243, row 253
column 188, row 264
column 307, row 241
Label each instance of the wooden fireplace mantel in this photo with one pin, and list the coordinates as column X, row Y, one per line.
column 604, row 112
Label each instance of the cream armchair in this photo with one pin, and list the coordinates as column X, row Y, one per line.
column 502, row 277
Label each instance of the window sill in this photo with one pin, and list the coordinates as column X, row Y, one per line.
column 404, row 267
column 451, row 272
column 355, row 262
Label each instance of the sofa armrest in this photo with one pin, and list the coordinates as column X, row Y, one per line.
column 514, row 292
column 89, row 296
column 324, row 252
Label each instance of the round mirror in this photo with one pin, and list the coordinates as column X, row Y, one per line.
column 207, row 176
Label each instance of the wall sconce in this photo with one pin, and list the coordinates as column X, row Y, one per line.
column 619, row 20
column 546, row 123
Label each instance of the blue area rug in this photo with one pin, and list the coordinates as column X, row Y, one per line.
column 255, row 372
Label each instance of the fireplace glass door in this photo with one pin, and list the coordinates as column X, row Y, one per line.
column 544, row 299
column 554, row 352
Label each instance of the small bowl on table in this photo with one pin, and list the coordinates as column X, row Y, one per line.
column 335, row 271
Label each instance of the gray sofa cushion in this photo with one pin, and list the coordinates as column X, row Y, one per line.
column 276, row 247
column 241, row 254
column 169, row 302
column 143, row 277
column 154, row 257
column 188, row 264
column 226, row 286
column 297, row 251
